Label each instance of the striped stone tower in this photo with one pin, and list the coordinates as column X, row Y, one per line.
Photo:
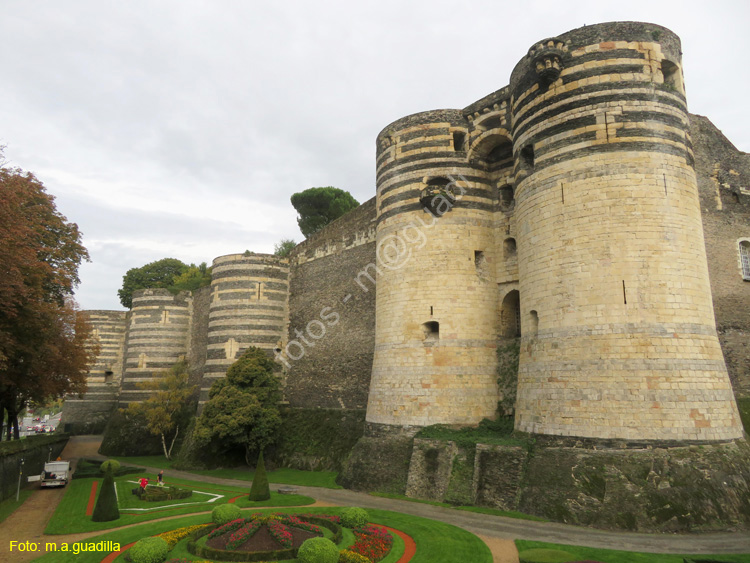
column 436, row 322
column 157, row 338
column 249, row 301
column 618, row 330
column 89, row 414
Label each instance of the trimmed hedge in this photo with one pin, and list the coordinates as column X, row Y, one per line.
column 86, row 468
column 149, row 550
column 280, row 555
column 225, row 513
column 221, row 555
column 106, row 504
column 354, row 517
column 260, row 490
column 154, row 494
column 16, row 446
column 318, row 550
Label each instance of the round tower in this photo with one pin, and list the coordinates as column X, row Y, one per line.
column 89, row 414
column 157, row 337
column 435, row 346
column 618, row 330
column 249, row 297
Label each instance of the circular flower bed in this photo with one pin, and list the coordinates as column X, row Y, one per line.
column 259, row 537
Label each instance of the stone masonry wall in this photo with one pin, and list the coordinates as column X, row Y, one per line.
column 724, row 186
column 328, row 356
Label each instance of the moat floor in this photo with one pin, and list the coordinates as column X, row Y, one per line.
column 29, row 521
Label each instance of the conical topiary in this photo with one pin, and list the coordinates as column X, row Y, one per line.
column 260, row 489
column 106, row 505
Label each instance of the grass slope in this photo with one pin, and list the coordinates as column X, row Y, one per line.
column 613, row 556
column 284, row 476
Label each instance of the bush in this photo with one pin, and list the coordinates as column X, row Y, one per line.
column 106, row 504
column 165, row 493
column 110, row 466
column 149, row 550
column 225, row 513
column 545, row 556
column 354, row 517
column 346, row 556
column 318, row 550
column 260, row 489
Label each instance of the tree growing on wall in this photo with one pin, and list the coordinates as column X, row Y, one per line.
column 158, row 274
column 284, row 247
column 242, row 408
column 168, row 407
column 319, row 206
column 45, row 344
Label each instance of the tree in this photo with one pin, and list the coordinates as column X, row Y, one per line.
column 168, row 407
column 194, row 277
column 160, row 273
column 242, row 408
column 45, row 344
column 284, row 247
column 319, row 206
column 168, row 273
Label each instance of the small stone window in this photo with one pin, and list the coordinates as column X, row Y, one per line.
column 431, row 330
column 438, row 197
column 459, row 141
column 534, row 317
column 479, row 259
column 527, row 157
column 672, row 77
column 506, row 197
column 509, row 248
column 108, row 376
column 745, row 259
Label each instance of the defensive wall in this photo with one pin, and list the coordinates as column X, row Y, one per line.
column 580, row 210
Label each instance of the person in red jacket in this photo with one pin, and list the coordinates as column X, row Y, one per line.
column 143, row 483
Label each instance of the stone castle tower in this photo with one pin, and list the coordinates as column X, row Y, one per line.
column 565, row 211
column 563, row 208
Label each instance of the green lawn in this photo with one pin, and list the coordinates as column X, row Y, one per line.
column 70, row 516
column 284, row 476
column 437, row 542
column 9, row 505
column 612, row 556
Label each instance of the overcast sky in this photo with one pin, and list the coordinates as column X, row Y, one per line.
column 181, row 128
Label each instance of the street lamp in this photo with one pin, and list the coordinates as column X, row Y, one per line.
column 20, row 474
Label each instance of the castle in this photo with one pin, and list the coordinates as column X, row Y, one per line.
column 580, row 209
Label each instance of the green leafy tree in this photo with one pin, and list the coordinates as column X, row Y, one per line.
column 45, row 344
column 168, row 273
column 194, row 277
column 242, row 408
column 284, row 247
column 169, row 406
column 151, row 276
column 319, row 206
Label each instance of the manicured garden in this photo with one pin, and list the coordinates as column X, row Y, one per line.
column 70, row 516
column 436, row 541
